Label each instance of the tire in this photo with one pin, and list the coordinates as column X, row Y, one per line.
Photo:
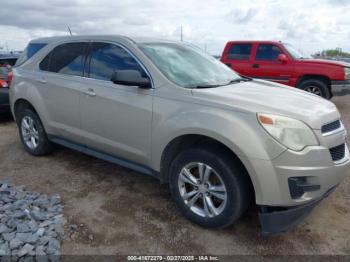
column 30, row 127
column 317, row 87
column 232, row 175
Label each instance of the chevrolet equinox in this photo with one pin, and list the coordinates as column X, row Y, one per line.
column 166, row 109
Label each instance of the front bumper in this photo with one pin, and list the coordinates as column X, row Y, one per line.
column 291, row 185
column 276, row 220
column 340, row 86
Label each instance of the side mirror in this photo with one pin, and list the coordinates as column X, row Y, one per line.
column 282, row 58
column 130, row 78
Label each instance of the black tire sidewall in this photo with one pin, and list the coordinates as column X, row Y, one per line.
column 237, row 200
column 325, row 93
column 43, row 143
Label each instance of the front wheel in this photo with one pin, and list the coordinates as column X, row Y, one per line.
column 316, row 87
column 208, row 187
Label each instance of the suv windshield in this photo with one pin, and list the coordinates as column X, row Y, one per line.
column 188, row 67
column 295, row 53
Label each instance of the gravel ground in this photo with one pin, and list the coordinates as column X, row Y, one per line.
column 31, row 223
column 112, row 210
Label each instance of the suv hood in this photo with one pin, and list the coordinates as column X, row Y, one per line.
column 324, row 62
column 260, row 96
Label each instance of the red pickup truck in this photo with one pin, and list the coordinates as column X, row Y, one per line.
column 281, row 63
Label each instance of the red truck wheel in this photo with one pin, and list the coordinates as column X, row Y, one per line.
column 317, row 87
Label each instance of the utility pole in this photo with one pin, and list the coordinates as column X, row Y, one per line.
column 70, row 31
column 181, row 36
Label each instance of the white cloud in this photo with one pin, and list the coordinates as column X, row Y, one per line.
column 310, row 25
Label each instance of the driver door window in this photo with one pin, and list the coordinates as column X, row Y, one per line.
column 267, row 52
column 104, row 59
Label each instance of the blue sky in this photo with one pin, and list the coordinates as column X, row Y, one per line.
column 309, row 25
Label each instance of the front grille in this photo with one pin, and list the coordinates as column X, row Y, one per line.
column 331, row 127
column 338, row 152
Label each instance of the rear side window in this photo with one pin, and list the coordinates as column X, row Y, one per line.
column 267, row 52
column 240, row 51
column 7, row 61
column 104, row 59
column 30, row 50
column 65, row 59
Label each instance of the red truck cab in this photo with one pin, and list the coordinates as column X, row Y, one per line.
column 281, row 63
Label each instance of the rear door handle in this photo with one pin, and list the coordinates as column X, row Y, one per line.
column 90, row 92
column 256, row 66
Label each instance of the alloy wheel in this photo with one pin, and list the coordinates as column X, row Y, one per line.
column 30, row 132
column 202, row 189
column 313, row 89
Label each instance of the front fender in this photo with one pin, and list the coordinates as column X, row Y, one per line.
column 239, row 131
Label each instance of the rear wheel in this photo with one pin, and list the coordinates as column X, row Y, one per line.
column 317, row 87
column 32, row 133
column 208, row 187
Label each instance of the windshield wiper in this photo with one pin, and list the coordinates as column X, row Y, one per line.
column 233, row 81
column 239, row 79
column 207, row 86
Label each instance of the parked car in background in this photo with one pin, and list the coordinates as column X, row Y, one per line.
column 8, row 59
column 5, row 79
column 169, row 110
column 4, row 72
column 282, row 63
column 4, row 96
column 3, row 84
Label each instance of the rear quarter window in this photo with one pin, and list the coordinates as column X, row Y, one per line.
column 30, row 50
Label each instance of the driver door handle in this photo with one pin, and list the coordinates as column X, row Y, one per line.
column 256, row 66
column 90, row 92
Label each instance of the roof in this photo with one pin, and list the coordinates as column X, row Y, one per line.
column 255, row 41
column 102, row 37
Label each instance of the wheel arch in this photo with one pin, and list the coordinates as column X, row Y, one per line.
column 22, row 103
column 323, row 78
column 183, row 142
column 305, row 77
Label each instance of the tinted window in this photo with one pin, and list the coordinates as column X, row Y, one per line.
column 7, row 61
column 240, row 51
column 105, row 59
column 30, row 50
column 65, row 59
column 267, row 52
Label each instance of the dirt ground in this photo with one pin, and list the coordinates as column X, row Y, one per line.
column 118, row 211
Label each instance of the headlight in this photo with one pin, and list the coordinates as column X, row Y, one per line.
column 347, row 73
column 291, row 133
